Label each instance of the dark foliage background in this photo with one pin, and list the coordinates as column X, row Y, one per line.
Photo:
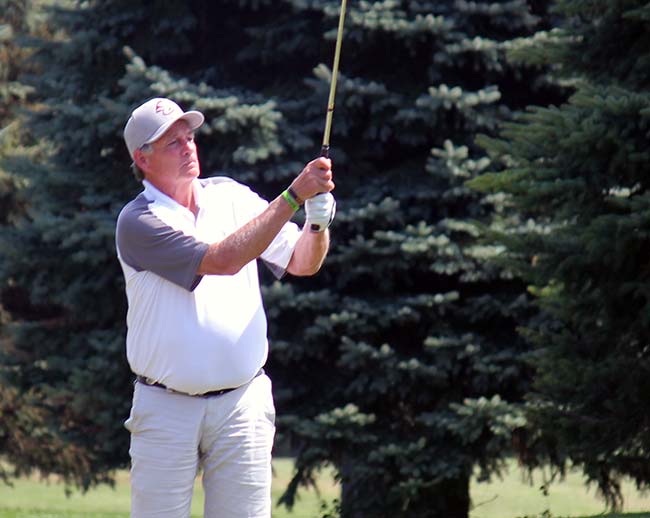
column 400, row 363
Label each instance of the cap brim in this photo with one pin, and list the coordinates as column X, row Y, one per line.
column 194, row 119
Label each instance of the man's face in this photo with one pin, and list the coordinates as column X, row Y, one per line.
column 173, row 156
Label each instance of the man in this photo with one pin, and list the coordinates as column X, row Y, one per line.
column 196, row 337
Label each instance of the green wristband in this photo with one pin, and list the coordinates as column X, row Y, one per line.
column 290, row 200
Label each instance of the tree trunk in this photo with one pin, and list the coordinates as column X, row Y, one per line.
column 448, row 499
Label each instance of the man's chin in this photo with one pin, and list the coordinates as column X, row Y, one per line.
column 194, row 172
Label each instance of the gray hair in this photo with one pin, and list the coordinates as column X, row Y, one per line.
column 137, row 172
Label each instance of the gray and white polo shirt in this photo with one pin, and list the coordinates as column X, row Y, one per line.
column 194, row 333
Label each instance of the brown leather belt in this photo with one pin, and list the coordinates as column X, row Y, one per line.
column 211, row 393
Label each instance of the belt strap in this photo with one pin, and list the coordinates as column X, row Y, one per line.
column 211, row 393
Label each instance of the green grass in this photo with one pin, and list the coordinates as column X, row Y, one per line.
column 513, row 497
column 34, row 498
column 510, row 497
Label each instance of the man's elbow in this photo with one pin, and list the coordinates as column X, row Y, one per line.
column 220, row 267
column 232, row 269
column 310, row 271
column 304, row 270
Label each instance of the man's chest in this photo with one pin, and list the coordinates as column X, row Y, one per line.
column 211, row 223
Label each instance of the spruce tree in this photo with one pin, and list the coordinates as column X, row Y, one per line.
column 408, row 374
column 16, row 21
column 399, row 363
column 62, row 357
column 578, row 175
column 25, row 437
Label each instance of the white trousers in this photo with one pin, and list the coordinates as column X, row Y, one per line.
column 229, row 436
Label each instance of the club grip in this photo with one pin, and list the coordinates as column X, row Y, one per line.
column 325, row 153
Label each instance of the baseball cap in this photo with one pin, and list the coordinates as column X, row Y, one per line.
column 150, row 120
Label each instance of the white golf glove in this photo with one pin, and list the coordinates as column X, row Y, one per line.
column 320, row 211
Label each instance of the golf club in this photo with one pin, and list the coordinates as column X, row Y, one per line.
column 325, row 149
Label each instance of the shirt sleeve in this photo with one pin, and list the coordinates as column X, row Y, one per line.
column 145, row 242
column 279, row 252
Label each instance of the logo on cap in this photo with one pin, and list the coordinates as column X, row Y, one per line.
column 165, row 107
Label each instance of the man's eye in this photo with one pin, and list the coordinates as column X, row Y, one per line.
column 179, row 141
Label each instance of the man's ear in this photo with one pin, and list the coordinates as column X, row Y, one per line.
column 141, row 160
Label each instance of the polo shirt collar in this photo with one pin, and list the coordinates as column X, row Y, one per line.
column 152, row 193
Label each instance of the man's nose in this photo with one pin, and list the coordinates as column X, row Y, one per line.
column 188, row 147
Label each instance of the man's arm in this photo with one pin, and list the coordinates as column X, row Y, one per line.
column 309, row 254
column 229, row 256
column 246, row 244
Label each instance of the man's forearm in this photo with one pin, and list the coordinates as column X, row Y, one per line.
column 246, row 244
column 309, row 253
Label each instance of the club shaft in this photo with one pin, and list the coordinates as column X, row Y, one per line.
column 335, row 72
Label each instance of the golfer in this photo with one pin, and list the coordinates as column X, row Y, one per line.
column 196, row 328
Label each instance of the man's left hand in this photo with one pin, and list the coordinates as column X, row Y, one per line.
column 320, row 211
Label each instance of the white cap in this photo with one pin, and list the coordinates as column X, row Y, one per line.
column 150, row 120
